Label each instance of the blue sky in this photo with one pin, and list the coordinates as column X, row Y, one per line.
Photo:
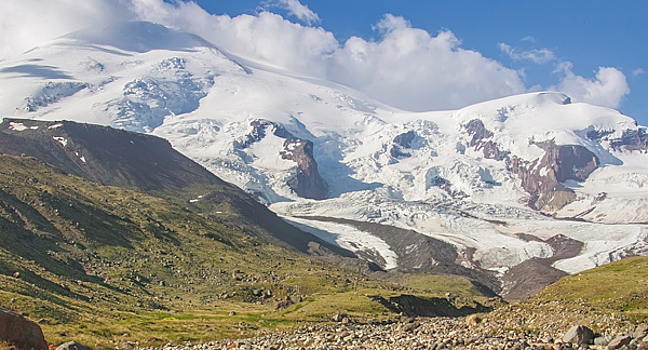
column 588, row 33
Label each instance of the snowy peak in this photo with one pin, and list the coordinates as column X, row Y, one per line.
column 550, row 144
column 545, row 116
column 130, row 75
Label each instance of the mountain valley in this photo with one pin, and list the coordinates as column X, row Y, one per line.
column 156, row 188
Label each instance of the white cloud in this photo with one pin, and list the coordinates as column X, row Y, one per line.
column 538, row 56
column 608, row 88
column 28, row 23
column 294, row 8
column 637, row 72
column 409, row 68
column 266, row 37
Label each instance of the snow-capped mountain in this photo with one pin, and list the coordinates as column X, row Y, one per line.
column 498, row 184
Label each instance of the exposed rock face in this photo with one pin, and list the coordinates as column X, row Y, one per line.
column 598, row 135
column 260, row 129
column 631, row 140
column 445, row 185
column 571, row 162
column 307, row 181
column 20, row 332
column 479, row 141
column 540, row 178
column 478, row 131
column 401, row 144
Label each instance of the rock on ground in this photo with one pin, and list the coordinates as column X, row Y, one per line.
column 20, row 332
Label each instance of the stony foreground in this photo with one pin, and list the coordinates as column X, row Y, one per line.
column 429, row 334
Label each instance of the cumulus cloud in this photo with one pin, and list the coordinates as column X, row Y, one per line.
column 538, row 56
column 294, row 8
column 608, row 88
column 265, row 37
column 28, row 23
column 410, row 68
column 404, row 66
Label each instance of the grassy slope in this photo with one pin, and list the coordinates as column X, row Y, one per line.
column 612, row 297
column 620, row 287
column 103, row 265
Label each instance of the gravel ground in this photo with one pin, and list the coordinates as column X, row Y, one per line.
column 411, row 334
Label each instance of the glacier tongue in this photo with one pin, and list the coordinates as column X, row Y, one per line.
column 358, row 241
column 465, row 177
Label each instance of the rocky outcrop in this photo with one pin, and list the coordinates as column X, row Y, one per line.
column 480, row 141
column 570, row 162
column 597, row 135
column 259, row 131
column 541, row 178
column 445, row 185
column 307, row 181
column 20, row 332
column 631, row 140
column 401, row 144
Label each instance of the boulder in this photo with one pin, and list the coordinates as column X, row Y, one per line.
column 473, row 320
column 72, row 345
column 579, row 335
column 602, row 341
column 641, row 331
column 283, row 304
column 619, row 342
column 20, row 332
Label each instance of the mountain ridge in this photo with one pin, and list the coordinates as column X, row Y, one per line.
column 146, row 163
column 476, row 178
column 106, row 265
